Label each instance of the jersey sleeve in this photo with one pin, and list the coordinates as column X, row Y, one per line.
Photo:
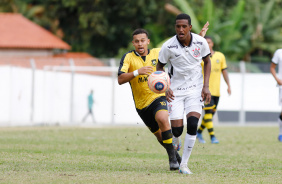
column 206, row 50
column 124, row 64
column 164, row 55
column 275, row 58
column 223, row 62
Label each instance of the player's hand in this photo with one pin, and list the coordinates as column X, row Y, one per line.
column 146, row 70
column 206, row 95
column 169, row 95
column 204, row 30
column 229, row 90
column 279, row 82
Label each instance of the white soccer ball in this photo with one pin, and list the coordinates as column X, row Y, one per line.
column 159, row 82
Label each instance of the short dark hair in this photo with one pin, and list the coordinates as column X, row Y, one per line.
column 209, row 37
column 184, row 16
column 140, row 31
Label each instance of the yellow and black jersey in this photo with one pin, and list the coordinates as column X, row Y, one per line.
column 131, row 61
column 218, row 63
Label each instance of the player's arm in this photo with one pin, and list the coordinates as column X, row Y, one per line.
column 204, row 30
column 160, row 66
column 206, row 95
column 273, row 72
column 226, row 78
column 126, row 77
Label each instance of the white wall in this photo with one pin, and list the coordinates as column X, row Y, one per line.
column 53, row 90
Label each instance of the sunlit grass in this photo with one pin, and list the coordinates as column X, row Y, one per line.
column 132, row 155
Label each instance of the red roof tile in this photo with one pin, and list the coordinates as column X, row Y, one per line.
column 16, row 31
column 56, row 60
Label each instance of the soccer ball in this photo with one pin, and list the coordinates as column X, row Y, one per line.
column 159, row 82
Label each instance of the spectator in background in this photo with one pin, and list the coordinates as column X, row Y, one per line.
column 218, row 67
column 277, row 60
column 90, row 101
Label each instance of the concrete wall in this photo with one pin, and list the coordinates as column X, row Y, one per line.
column 113, row 103
column 25, row 52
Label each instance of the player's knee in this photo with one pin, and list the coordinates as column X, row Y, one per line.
column 192, row 125
column 177, row 131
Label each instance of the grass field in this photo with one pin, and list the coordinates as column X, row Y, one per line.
column 132, row 155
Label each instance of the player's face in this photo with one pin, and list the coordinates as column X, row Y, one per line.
column 210, row 42
column 141, row 42
column 182, row 29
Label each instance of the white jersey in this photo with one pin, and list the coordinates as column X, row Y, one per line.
column 184, row 63
column 277, row 59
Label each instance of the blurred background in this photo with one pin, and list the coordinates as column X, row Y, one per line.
column 54, row 52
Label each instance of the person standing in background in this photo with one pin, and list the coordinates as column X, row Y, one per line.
column 90, row 103
column 277, row 60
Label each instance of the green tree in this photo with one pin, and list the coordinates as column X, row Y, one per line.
column 264, row 27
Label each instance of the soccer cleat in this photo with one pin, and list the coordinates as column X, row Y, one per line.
column 184, row 170
column 200, row 138
column 280, row 138
column 176, row 142
column 214, row 140
column 173, row 165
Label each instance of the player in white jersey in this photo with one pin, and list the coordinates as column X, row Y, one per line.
column 184, row 53
column 277, row 60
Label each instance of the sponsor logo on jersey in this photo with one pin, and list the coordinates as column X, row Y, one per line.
column 200, row 43
column 196, row 52
column 143, row 79
column 172, row 46
column 154, row 62
column 189, row 87
column 217, row 61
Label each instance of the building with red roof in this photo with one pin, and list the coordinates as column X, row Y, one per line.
column 22, row 40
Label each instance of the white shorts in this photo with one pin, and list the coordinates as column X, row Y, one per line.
column 188, row 103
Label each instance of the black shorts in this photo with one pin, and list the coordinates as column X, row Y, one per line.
column 148, row 113
column 213, row 103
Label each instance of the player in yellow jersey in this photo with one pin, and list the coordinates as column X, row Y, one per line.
column 218, row 67
column 135, row 66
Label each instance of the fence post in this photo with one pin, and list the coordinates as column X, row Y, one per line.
column 113, row 64
column 33, row 68
column 242, row 115
column 71, row 62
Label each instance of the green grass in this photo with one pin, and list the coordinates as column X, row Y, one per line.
column 132, row 155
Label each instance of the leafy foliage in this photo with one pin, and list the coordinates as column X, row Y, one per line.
column 249, row 30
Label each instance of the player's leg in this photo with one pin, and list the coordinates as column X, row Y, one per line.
column 193, row 109
column 158, row 135
column 200, row 130
column 176, row 111
column 206, row 120
column 280, row 127
column 190, row 138
column 209, row 119
column 280, row 117
column 156, row 118
column 161, row 116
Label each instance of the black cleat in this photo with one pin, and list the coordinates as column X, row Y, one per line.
column 173, row 165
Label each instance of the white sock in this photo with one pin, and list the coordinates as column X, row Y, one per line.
column 187, row 150
column 280, row 126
